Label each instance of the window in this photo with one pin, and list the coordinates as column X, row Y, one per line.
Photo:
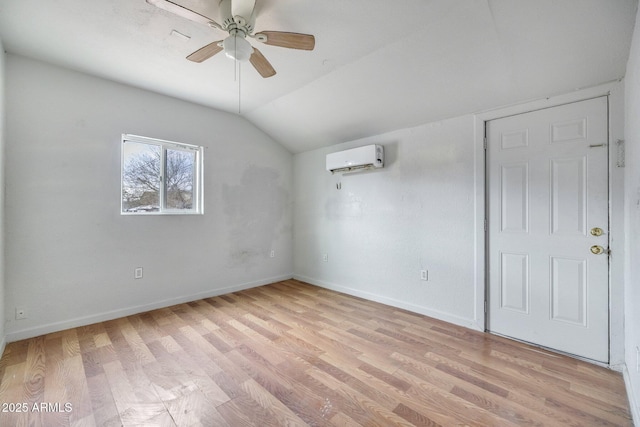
column 160, row 177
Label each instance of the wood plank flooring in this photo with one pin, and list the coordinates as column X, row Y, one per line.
column 291, row 354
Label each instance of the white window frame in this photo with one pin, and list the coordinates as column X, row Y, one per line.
column 198, row 191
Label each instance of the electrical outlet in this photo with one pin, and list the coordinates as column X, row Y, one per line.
column 272, row 254
column 21, row 313
column 137, row 273
column 325, row 257
column 424, row 275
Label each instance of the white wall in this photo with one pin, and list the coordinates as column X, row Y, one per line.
column 632, row 223
column 384, row 226
column 71, row 255
column 2, row 168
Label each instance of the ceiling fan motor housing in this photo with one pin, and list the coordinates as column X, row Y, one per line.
column 245, row 24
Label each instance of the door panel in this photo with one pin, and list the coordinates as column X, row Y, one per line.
column 514, row 198
column 514, row 279
column 569, row 290
column 568, row 196
column 547, row 182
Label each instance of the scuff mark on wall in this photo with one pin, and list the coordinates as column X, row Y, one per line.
column 254, row 211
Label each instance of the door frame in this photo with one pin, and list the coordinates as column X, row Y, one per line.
column 615, row 93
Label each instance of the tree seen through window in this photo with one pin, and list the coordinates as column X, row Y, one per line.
column 159, row 178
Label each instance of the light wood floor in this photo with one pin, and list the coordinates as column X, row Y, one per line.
column 294, row 354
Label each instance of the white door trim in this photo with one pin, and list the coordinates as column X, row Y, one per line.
column 615, row 91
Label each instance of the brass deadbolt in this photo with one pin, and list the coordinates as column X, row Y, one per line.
column 597, row 231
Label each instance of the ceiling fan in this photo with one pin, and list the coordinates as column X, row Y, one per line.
column 238, row 19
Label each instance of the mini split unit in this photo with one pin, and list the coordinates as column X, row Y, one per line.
column 365, row 157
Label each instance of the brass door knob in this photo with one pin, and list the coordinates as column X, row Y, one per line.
column 597, row 249
column 597, row 231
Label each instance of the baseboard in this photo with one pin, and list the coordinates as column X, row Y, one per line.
column 3, row 344
column 123, row 312
column 632, row 396
column 436, row 314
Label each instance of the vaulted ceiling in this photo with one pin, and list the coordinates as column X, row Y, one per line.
column 377, row 65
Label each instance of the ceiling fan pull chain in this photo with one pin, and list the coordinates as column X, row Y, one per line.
column 239, row 86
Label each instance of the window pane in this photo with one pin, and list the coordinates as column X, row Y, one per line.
column 179, row 182
column 160, row 176
column 140, row 177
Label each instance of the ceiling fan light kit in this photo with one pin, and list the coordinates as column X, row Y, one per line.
column 237, row 47
column 238, row 19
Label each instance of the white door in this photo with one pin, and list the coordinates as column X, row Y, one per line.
column 547, row 181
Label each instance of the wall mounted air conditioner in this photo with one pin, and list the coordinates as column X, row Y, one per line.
column 365, row 157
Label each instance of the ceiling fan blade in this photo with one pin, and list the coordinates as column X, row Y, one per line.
column 205, row 52
column 261, row 64
column 242, row 8
column 290, row 40
column 176, row 9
